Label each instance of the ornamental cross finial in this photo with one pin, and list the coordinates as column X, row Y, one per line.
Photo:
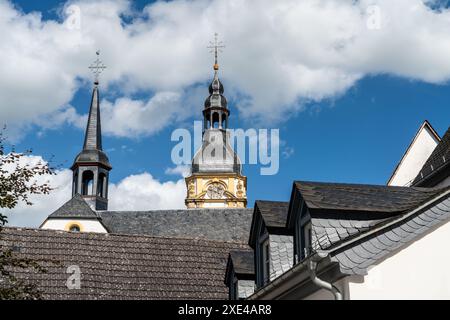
column 216, row 47
column 97, row 67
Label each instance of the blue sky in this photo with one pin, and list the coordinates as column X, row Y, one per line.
column 355, row 131
column 357, row 138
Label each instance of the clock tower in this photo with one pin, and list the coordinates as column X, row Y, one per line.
column 216, row 180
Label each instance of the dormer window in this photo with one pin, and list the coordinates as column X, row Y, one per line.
column 266, row 261
column 303, row 238
column 307, row 239
column 233, row 292
column 240, row 274
column 271, row 240
column 74, row 228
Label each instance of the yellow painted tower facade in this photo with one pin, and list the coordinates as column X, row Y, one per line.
column 216, row 180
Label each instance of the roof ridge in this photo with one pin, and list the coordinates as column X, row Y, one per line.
column 62, row 211
column 272, row 201
column 304, row 182
column 119, row 235
column 165, row 210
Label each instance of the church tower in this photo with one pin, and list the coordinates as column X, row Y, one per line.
column 216, row 180
column 91, row 166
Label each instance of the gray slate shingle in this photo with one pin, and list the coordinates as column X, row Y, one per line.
column 356, row 258
column 362, row 198
column 274, row 213
column 439, row 158
column 74, row 208
column 243, row 261
column 214, row 224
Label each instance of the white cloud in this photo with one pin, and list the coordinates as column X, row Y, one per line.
column 279, row 54
column 43, row 205
column 130, row 118
column 144, row 192
column 135, row 192
column 181, row 170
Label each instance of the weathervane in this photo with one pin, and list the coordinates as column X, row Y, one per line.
column 97, row 67
column 216, row 47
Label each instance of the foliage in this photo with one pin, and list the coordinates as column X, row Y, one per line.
column 18, row 180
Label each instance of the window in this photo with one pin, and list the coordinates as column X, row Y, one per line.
column 87, row 183
column 307, row 239
column 75, row 184
column 266, row 261
column 298, row 241
column 101, row 185
column 74, row 228
column 234, row 289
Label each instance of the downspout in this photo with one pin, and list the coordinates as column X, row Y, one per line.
column 321, row 283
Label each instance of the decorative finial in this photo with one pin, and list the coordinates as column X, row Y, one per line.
column 216, row 47
column 97, row 67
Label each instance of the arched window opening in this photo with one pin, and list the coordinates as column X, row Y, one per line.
column 215, row 120
column 74, row 228
column 75, row 184
column 101, row 188
column 87, row 183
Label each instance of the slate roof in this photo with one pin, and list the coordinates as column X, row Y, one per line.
column 362, row 198
column 281, row 254
column 339, row 211
column 327, row 231
column 243, row 261
column 92, row 148
column 437, row 162
column 215, row 224
column 74, row 208
column 122, row 266
column 357, row 255
column 274, row 213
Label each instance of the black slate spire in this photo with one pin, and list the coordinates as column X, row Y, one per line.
column 93, row 136
column 92, row 148
column 91, row 167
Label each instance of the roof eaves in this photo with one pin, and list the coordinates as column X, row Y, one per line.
column 348, row 243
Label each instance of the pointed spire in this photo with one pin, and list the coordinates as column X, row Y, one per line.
column 92, row 148
column 216, row 90
column 93, row 136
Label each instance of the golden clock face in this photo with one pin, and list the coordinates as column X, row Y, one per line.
column 215, row 191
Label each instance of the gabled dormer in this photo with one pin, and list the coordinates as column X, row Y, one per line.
column 271, row 241
column 299, row 222
column 322, row 215
column 240, row 274
column 75, row 216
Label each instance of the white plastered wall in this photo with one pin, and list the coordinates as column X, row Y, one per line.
column 420, row 271
column 64, row 224
column 415, row 157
